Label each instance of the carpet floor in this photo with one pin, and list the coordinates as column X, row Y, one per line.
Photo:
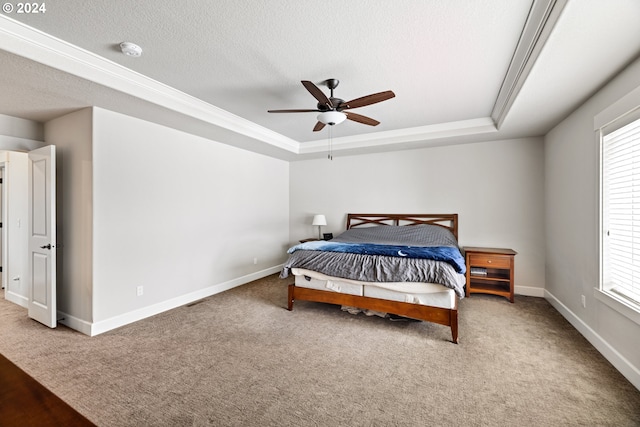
column 240, row 358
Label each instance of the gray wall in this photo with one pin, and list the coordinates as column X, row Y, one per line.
column 495, row 187
column 145, row 205
column 72, row 135
column 572, row 206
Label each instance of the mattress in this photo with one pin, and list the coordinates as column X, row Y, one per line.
column 429, row 294
column 419, row 253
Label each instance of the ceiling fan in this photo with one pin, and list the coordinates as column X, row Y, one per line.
column 333, row 110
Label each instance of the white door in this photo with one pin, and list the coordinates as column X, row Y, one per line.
column 42, row 235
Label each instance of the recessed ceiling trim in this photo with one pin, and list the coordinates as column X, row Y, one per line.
column 542, row 18
column 27, row 42
column 389, row 138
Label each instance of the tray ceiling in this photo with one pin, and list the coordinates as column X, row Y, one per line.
column 461, row 71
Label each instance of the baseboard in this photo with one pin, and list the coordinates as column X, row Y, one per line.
column 74, row 323
column 103, row 326
column 21, row 300
column 529, row 291
column 629, row 371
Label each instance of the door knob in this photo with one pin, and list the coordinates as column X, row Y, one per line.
column 46, row 246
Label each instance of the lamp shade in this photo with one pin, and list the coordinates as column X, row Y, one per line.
column 319, row 220
column 332, row 117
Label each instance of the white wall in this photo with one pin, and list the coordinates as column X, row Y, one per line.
column 181, row 216
column 15, row 226
column 17, row 136
column 495, row 187
column 571, row 151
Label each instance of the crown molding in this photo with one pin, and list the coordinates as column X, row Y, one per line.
column 543, row 16
column 30, row 43
column 22, row 40
column 438, row 131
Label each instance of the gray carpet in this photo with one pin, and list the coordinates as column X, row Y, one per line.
column 241, row 359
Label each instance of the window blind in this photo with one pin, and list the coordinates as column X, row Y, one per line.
column 621, row 211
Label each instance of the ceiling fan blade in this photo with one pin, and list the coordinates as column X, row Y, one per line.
column 292, row 111
column 368, row 100
column 361, row 119
column 318, row 127
column 317, row 93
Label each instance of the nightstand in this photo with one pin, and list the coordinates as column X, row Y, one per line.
column 490, row 271
column 313, row 239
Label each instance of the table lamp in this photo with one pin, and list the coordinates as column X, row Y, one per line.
column 319, row 220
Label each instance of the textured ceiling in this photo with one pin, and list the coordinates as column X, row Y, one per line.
column 446, row 61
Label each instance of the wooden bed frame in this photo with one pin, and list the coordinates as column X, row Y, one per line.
column 442, row 316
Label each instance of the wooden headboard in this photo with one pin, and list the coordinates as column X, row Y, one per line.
column 448, row 221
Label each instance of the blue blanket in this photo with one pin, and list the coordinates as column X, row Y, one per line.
column 448, row 254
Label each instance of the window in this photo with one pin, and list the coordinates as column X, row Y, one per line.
column 620, row 202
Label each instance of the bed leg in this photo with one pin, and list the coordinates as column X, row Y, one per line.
column 290, row 302
column 454, row 325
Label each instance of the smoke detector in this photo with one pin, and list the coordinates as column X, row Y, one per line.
column 130, row 49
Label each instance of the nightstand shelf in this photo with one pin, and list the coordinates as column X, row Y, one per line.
column 490, row 271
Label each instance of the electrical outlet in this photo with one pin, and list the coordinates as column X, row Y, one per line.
column 140, row 291
column 584, row 301
column 255, row 261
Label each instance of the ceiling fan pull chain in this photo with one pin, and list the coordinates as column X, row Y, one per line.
column 330, row 155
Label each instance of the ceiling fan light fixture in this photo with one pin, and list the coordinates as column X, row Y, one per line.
column 332, row 117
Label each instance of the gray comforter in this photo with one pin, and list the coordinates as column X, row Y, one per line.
column 383, row 268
